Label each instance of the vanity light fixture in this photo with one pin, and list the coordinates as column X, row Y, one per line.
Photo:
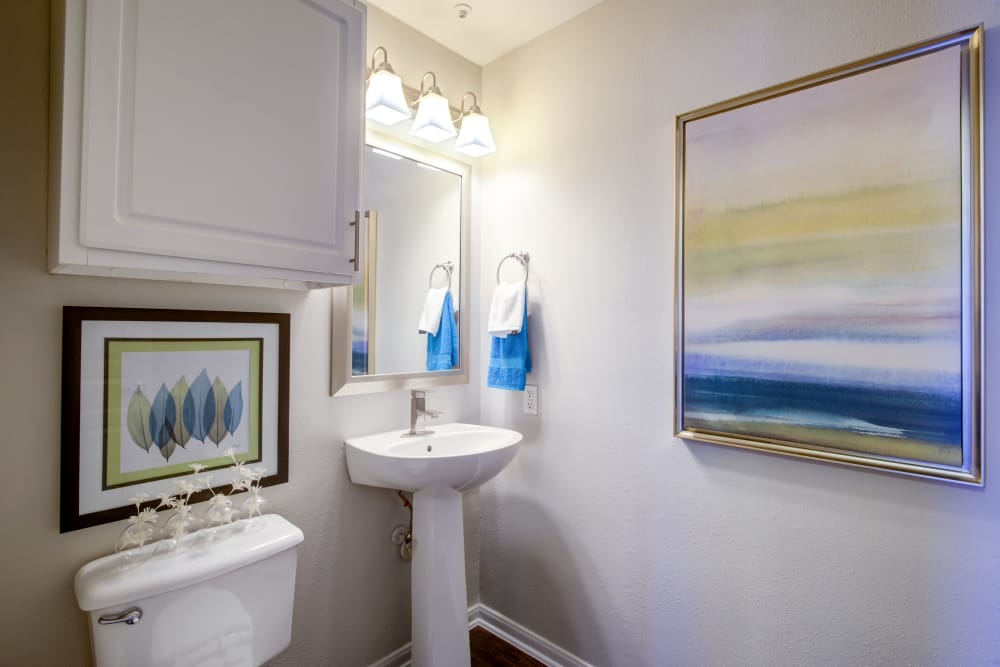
column 387, row 102
column 474, row 137
column 433, row 120
column 384, row 100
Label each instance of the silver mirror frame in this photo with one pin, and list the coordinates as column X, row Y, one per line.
column 342, row 382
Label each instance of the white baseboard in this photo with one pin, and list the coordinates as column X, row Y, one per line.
column 517, row 635
column 510, row 631
column 398, row 658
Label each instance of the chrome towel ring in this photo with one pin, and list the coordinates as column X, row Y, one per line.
column 448, row 268
column 521, row 257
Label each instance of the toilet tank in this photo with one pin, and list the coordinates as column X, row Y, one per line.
column 222, row 598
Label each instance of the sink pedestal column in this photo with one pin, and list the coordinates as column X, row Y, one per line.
column 440, row 605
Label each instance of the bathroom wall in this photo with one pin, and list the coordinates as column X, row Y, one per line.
column 352, row 603
column 608, row 536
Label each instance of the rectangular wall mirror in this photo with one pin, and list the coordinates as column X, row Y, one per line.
column 416, row 236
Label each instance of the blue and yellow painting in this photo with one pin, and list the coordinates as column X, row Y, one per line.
column 822, row 265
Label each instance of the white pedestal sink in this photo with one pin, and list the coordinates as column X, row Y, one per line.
column 436, row 468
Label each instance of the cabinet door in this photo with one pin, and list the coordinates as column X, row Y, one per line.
column 224, row 130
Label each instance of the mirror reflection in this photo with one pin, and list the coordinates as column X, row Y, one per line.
column 402, row 314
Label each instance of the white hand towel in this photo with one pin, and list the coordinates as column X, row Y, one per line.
column 430, row 319
column 506, row 310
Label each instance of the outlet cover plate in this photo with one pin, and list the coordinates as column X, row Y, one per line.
column 531, row 399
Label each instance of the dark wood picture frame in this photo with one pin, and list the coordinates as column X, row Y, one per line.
column 276, row 324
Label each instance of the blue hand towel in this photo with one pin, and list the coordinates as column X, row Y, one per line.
column 442, row 348
column 510, row 358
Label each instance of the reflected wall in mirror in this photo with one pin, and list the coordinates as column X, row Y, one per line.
column 416, row 237
column 414, row 234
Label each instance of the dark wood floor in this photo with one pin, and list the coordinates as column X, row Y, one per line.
column 488, row 650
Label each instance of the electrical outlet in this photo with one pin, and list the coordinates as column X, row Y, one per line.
column 531, row 399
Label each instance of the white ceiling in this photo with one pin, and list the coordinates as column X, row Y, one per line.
column 492, row 28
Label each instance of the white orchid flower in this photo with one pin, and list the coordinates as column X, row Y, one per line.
column 146, row 516
column 184, row 487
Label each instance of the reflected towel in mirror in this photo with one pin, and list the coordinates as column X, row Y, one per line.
column 430, row 319
column 442, row 347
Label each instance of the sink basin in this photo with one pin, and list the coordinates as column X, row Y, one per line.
column 456, row 456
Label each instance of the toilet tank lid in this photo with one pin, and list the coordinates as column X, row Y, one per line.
column 112, row 580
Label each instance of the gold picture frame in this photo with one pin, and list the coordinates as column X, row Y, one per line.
column 829, row 280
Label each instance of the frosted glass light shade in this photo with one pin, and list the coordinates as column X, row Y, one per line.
column 475, row 138
column 384, row 101
column 433, row 119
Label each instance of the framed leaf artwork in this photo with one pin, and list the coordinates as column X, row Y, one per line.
column 147, row 393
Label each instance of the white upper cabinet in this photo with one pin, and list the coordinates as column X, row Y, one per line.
column 214, row 141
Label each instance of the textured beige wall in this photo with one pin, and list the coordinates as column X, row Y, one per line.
column 352, row 603
column 606, row 535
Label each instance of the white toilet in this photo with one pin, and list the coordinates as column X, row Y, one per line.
column 224, row 601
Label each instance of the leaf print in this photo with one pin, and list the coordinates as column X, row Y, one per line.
column 208, row 412
column 189, row 415
column 138, row 419
column 179, row 392
column 199, row 407
column 168, row 449
column 233, row 411
column 162, row 417
column 217, row 431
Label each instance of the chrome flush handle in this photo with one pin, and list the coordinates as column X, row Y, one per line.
column 130, row 616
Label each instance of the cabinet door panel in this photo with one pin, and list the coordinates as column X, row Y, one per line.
column 224, row 130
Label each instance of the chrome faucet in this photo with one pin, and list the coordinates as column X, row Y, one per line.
column 418, row 408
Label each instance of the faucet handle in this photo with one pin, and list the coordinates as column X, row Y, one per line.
column 418, row 393
column 433, row 414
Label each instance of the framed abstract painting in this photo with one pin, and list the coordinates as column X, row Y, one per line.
column 829, row 265
column 147, row 393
